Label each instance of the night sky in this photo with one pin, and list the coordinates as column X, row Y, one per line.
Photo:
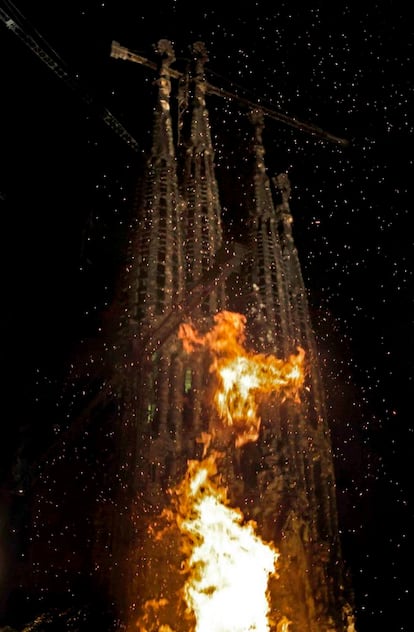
column 67, row 185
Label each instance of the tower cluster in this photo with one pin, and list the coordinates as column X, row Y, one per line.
column 181, row 268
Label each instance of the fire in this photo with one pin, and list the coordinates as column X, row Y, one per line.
column 283, row 625
column 243, row 378
column 229, row 565
column 225, row 564
column 218, row 567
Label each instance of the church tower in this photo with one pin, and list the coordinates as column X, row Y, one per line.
column 174, row 269
column 294, row 487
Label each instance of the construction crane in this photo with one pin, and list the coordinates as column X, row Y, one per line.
column 121, row 52
column 17, row 24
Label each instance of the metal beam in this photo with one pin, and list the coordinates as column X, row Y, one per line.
column 120, row 52
column 68, row 78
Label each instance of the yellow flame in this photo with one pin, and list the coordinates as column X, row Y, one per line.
column 226, row 564
column 243, row 378
column 283, row 625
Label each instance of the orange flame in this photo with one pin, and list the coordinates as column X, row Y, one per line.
column 229, row 565
column 226, row 566
column 243, row 378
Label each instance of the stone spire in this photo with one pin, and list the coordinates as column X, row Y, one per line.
column 156, row 270
column 269, row 301
column 149, row 381
column 296, row 503
column 202, row 219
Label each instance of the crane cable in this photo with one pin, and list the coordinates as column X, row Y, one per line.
column 16, row 23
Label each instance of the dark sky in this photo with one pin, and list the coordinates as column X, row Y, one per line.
column 66, row 186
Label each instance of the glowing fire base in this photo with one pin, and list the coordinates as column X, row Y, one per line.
column 225, row 566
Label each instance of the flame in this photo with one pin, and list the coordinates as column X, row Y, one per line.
column 218, row 580
column 225, row 563
column 229, row 565
column 283, row 625
column 243, row 378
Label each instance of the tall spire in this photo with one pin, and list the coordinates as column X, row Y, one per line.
column 202, row 220
column 296, row 476
column 269, row 303
column 156, row 271
column 149, row 383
